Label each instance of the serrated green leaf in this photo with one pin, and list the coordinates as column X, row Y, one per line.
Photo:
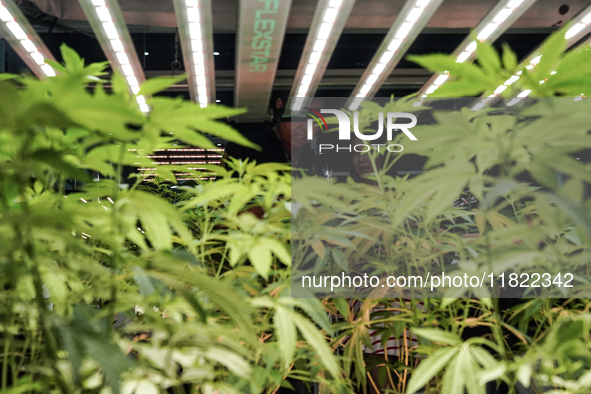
column 342, row 306
column 492, row 374
column 119, row 85
column 278, row 250
column 145, row 284
column 445, row 197
column 488, row 58
column 543, row 175
column 524, row 373
column 317, row 342
column 441, row 63
column 453, row 381
column 219, row 293
column 261, row 259
column 430, row 367
column 314, row 308
column 470, row 370
column 45, row 114
column 550, row 51
column 230, row 360
column 56, row 66
column 8, row 76
column 224, row 131
column 158, row 222
column 10, row 104
column 500, row 189
column 158, row 84
column 483, row 357
column 509, row 58
column 191, row 137
column 109, row 115
column 286, row 335
column 72, row 60
column 440, row 336
column 578, row 214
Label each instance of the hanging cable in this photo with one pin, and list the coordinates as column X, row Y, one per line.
column 176, row 65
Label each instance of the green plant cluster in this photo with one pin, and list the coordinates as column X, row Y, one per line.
column 116, row 288
column 524, row 221
column 120, row 288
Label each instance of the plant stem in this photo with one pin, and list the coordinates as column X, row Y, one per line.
column 23, row 357
column 116, row 256
column 5, row 362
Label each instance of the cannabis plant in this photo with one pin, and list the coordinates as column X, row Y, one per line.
column 521, row 167
column 112, row 287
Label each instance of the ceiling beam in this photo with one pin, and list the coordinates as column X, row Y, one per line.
column 261, row 30
column 408, row 78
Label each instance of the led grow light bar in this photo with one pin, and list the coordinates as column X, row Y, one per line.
column 107, row 23
column 581, row 26
column 196, row 34
column 499, row 19
column 328, row 23
column 412, row 19
column 21, row 36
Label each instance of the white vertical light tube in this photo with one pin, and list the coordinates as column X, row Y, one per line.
column 21, row 36
column 107, row 23
column 196, row 36
column 328, row 23
column 412, row 19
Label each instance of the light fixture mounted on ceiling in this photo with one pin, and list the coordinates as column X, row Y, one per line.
column 412, row 19
column 20, row 35
column 195, row 32
column 324, row 33
column 107, row 22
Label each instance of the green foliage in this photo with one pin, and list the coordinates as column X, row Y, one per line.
column 558, row 73
column 525, row 221
column 127, row 288
column 122, row 287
